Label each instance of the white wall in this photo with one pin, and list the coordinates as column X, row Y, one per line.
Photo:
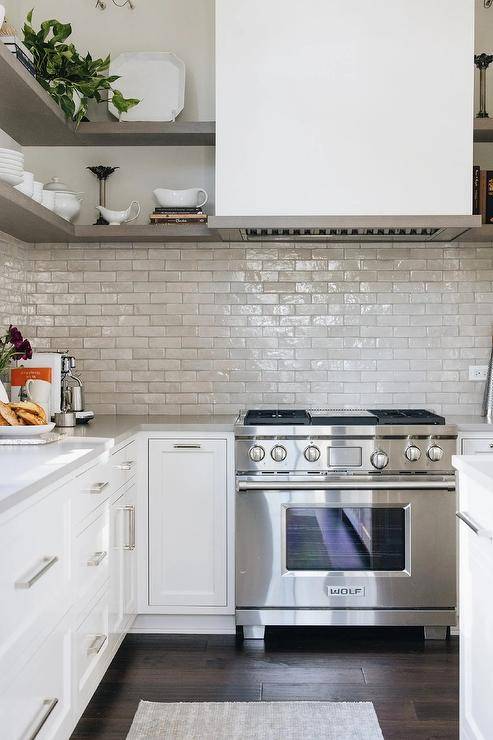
column 142, row 169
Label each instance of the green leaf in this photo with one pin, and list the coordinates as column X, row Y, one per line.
column 123, row 104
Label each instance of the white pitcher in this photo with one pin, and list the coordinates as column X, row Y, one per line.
column 116, row 218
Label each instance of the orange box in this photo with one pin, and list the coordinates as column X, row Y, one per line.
column 19, row 375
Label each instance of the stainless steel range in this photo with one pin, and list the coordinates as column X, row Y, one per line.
column 345, row 518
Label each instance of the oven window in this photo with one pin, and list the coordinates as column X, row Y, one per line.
column 346, row 538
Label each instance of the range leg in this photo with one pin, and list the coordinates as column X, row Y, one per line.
column 436, row 633
column 254, row 633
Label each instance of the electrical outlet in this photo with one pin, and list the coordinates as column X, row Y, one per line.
column 478, row 372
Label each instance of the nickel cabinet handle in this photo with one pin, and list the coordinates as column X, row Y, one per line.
column 47, row 707
column 97, row 558
column 131, row 528
column 99, row 487
column 483, row 533
column 44, row 567
column 127, row 465
column 187, row 447
column 97, row 645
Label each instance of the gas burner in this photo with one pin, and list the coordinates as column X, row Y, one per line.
column 275, row 418
column 407, row 416
column 341, row 417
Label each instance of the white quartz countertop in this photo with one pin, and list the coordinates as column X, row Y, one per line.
column 471, row 423
column 478, row 467
column 119, row 428
column 28, row 469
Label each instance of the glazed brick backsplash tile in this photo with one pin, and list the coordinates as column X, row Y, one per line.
column 178, row 329
column 15, row 273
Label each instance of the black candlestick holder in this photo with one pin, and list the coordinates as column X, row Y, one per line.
column 482, row 62
column 102, row 173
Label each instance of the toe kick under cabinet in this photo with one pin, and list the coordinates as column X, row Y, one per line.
column 190, row 526
column 68, row 592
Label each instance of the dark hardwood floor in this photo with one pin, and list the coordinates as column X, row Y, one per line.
column 412, row 683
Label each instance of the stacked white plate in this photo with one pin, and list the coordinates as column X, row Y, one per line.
column 11, row 166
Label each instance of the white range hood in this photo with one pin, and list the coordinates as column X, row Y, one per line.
column 344, row 120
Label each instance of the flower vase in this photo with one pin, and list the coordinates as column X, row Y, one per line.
column 3, row 393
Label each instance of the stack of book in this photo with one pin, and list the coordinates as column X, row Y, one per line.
column 18, row 49
column 483, row 194
column 176, row 215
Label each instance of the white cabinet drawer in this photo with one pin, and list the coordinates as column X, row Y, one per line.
column 473, row 446
column 35, row 570
column 124, row 462
column 91, row 646
column 37, row 703
column 91, row 556
column 100, row 482
column 91, row 489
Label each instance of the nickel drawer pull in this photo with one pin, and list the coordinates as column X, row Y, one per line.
column 127, row 465
column 187, row 447
column 99, row 487
column 97, row 558
column 46, row 564
column 97, row 645
column 131, row 528
column 484, row 533
column 47, row 707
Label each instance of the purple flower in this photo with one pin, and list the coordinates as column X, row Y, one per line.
column 15, row 336
column 24, row 349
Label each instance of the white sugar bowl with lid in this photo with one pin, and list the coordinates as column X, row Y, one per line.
column 61, row 199
column 57, row 186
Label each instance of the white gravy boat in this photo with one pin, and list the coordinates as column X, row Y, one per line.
column 116, row 218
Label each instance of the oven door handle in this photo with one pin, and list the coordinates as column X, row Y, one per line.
column 243, row 486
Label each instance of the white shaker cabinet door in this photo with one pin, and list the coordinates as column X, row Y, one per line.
column 188, row 523
column 123, row 579
column 476, row 651
column 130, row 554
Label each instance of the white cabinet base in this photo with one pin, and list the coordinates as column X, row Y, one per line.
column 184, row 624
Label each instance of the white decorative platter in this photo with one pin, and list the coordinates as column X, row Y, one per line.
column 27, row 431
column 157, row 79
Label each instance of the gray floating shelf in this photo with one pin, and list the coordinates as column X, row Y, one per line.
column 24, row 219
column 33, row 118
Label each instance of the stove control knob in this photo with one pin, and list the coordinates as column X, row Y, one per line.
column 413, row 453
column 435, row 453
column 379, row 460
column 278, row 453
column 256, row 454
column 312, row 454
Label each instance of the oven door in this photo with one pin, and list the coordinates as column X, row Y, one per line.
column 389, row 546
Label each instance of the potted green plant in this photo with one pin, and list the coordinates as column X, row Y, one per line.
column 71, row 79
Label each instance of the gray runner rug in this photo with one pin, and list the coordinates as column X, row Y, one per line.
column 292, row 720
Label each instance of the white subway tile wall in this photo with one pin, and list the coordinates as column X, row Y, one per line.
column 15, row 284
column 212, row 328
